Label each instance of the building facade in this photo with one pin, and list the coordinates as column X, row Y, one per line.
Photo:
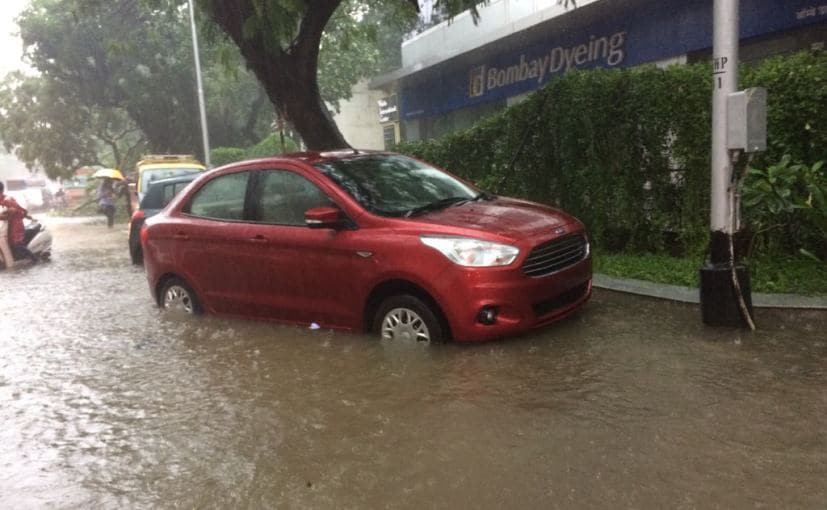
column 457, row 73
column 357, row 118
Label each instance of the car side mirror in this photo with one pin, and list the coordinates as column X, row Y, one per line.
column 324, row 217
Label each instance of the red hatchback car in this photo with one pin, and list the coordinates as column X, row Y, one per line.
column 368, row 242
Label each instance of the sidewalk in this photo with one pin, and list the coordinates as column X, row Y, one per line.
column 691, row 295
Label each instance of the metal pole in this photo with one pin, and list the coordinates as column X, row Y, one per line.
column 205, row 135
column 724, row 281
column 725, row 81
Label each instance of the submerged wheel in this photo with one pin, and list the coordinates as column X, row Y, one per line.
column 136, row 253
column 406, row 318
column 178, row 296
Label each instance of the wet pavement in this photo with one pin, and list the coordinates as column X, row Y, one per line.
column 633, row 403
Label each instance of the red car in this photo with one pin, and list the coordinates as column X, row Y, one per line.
column 366, row 242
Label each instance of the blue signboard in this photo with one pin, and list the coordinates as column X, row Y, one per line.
column 657, row 30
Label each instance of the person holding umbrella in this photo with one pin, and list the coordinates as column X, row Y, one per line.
column 106, row 194
column 106, row 200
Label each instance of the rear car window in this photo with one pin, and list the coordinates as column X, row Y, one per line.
column 222, row 198
column 151, row 175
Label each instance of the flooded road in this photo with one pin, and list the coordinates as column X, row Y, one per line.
column 633, row 403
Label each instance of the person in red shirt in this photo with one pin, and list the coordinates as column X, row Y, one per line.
column 15, row 214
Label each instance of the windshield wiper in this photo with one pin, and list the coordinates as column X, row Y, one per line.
column 435, row 206
column 484, row 195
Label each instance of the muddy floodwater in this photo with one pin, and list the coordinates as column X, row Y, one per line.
column 633, row 403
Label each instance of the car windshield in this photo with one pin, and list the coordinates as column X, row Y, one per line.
column 156, row 174
column 396, row 185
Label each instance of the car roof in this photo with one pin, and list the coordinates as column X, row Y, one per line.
column 315, row 157
column 176, row 164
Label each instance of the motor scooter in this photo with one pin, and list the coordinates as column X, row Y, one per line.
column 35, row 237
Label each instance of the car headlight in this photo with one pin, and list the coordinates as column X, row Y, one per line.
column 470, row 252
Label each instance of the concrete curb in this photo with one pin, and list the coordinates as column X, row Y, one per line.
column 691, row 295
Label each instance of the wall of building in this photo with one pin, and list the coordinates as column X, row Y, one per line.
column 358, row 118
column 439, row 97
column 498, row 19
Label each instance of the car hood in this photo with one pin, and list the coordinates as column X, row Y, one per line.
column 506, row 217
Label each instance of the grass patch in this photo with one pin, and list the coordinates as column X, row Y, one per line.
column 791, row 275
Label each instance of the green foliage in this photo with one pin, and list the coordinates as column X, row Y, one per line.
column 797, row 86
column 627, row 151
column 114, row 77
column 791, row 198
column 221, row 156
column 119, row 55
column 269, row 146
column 43, row 131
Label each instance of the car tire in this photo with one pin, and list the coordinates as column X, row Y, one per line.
column 176, row 295
column 136, row 253
column 407, row 318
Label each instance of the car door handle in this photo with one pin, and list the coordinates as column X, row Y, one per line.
column 181, row 235
column 258, row 239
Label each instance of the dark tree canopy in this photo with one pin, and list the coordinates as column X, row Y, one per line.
column 280, row 41
column 116, row 76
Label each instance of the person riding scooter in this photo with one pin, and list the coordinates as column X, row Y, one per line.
column 5, row 250
column 14, row 215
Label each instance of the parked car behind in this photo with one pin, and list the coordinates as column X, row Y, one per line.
column 155, row 167
column 155, row 199
column 365, row 241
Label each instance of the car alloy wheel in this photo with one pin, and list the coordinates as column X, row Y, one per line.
column 405, row 318
column 405, row 325
column 176, row 296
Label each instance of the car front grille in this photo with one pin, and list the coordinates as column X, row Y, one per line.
column 555, row 255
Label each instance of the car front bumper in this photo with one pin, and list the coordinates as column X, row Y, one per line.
column 520, row 303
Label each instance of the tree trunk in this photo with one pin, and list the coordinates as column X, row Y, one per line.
column 297, row 95
column 249, row 130
column 287, row 75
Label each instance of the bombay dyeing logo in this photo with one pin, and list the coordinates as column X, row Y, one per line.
column 606, row 49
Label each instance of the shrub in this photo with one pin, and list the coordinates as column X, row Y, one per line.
column 628, row 151
column 270, row 146
column 791, row 199
column 224, row 155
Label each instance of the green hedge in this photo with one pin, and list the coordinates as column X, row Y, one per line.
column 627, row 151
column 270, row 146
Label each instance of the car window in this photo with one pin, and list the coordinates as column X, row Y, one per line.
column 151, row 175
column 221, row 198
column 285, row 196
column 169, row 193
column 152, row 200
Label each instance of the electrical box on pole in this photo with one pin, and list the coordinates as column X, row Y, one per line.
column 747, row 120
